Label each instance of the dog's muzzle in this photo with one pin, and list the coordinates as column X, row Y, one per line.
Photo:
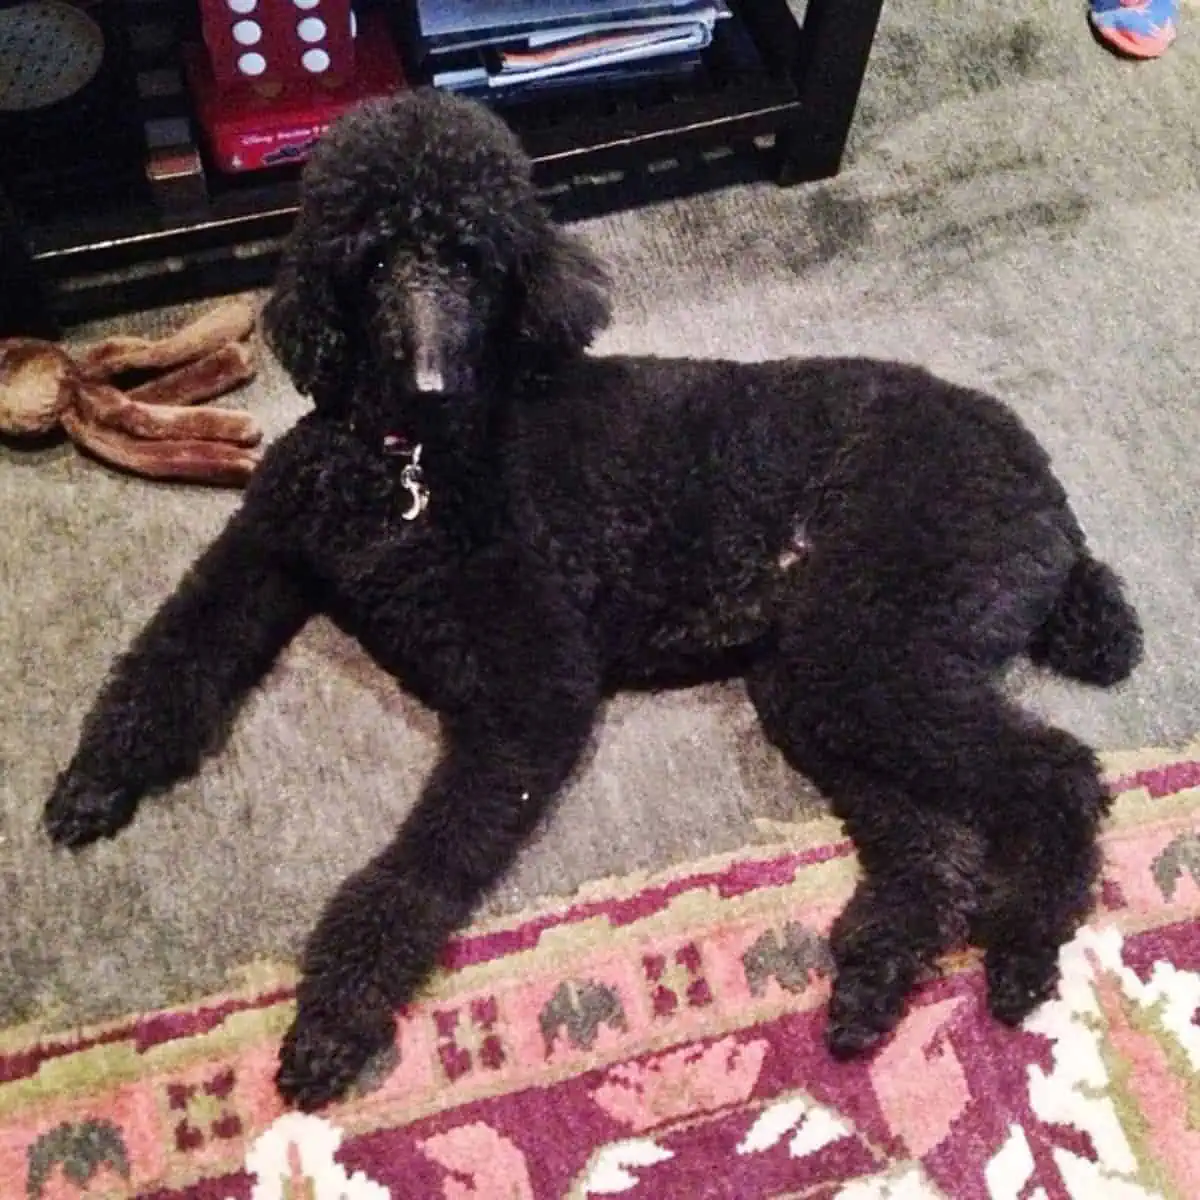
column 425, row 321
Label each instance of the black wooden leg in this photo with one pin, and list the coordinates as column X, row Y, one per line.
column 24, row 308
column 834, row 47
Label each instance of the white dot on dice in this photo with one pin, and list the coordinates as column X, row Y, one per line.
column 311, row 29
column 252, row 64
column 315, row 61
column 247, row 33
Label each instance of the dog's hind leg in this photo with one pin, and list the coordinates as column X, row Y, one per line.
column 921, row 862
column 968, row 817
column 1044, row 858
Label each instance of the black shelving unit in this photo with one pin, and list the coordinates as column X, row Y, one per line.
column 774, row 96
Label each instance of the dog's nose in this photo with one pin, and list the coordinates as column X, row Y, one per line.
column 429, row 378
column 425, row 323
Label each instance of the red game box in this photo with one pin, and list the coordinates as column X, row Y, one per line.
column 275, row 116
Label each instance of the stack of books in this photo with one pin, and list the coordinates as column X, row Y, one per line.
column 501, row 46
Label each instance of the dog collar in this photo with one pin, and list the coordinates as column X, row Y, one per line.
column 412, row 477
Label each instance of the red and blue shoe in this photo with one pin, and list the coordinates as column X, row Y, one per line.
column 1137, row 28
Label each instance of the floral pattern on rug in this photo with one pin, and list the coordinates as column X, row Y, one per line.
column 661, row 1039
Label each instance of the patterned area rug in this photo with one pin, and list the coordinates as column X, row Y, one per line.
column 660, row 1038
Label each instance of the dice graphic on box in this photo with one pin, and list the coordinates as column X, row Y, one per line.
column 270, row 76
column 278, row 41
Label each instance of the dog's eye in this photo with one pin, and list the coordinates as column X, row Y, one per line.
column 467, row 259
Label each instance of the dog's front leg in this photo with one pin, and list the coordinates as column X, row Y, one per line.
column 168, row 697
column 379, row 938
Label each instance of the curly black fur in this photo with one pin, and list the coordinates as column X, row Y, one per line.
column 866, row 544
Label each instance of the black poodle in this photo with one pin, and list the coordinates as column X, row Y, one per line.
column 514, row 528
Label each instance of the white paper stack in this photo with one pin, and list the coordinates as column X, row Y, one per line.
column 479, row 45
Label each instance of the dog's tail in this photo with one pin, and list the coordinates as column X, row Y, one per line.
column 1093, row 633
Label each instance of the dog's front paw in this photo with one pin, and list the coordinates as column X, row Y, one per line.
column 80, row 811
column 325, row 1053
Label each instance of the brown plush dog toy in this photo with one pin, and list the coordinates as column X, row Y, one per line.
column 152, row 429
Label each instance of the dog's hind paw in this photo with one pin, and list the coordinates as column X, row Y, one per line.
column 80, row 812
column 846, row 1040
column 321, row 1059
column 865, row 1007
column 1019, row 983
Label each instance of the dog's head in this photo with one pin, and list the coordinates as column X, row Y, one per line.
column 422, row 262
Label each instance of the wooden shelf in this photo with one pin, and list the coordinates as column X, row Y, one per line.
column 745, row 110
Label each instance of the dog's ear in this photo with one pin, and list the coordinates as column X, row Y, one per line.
column 563, row 302
column 307, row 319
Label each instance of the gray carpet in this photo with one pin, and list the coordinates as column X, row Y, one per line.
column 1020, row 210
